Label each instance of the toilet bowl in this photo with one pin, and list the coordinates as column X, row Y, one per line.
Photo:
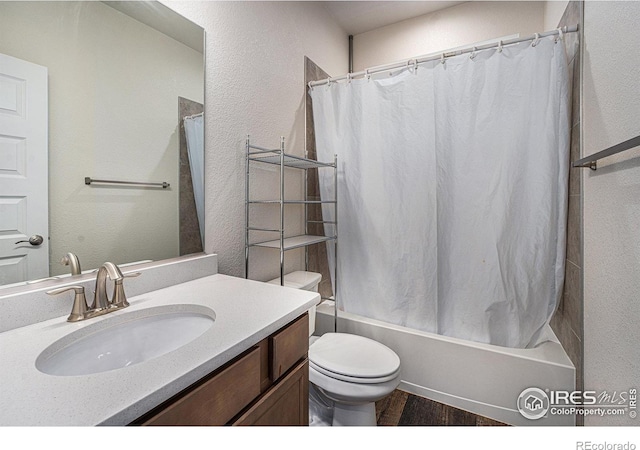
column 354, row 372
column 346, row 371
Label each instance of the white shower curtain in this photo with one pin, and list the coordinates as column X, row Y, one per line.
column 452, row 192
column 194, row 132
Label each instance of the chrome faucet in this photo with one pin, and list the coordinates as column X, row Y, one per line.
column 101, row 302
column 70, row 259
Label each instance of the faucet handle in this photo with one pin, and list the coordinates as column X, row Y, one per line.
column 79, row 310
column 132, row 274
column 119, row 297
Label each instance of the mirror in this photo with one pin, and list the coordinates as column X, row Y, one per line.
column 119, row 79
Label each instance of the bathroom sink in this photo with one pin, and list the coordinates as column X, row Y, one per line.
column 125, row 340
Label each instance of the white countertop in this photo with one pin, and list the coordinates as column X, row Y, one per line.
column 246, row 312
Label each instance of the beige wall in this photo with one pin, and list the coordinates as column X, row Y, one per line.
column 611, row 201
column 255, row 85
column 553, row 11
column 449, row 28
column 113, row 114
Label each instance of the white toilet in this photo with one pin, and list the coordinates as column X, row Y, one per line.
column 346, row 371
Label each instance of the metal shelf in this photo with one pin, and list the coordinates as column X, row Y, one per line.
column 295, row 162
column 293, row 242
column 278, row 157
column 293, row 202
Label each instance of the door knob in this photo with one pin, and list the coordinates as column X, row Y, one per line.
column 36, row 239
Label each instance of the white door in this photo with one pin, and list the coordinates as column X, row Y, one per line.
column 23, row 170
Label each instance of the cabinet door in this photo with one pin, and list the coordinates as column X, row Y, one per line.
column 286, row 403
column 216, row 400
column 288, row 346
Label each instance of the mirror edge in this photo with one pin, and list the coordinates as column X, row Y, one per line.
column 58, row 282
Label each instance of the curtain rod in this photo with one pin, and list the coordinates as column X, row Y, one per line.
column 193, row 116
column 441, row 56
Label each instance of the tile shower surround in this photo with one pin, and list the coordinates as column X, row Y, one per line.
column 189, row 232
column 567, row 322
column 317, row 253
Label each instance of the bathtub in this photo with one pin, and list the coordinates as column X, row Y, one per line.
column 480, row 378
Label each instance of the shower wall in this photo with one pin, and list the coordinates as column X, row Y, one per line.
column 317, row 254
column 189, row 230
column 567, row 322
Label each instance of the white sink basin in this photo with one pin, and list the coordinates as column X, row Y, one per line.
column 125, row 340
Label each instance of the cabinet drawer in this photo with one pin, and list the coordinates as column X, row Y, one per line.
column 288, row 346
column 217, row 400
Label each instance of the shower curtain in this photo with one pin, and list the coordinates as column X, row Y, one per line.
column 194, row 132
column 452, row 192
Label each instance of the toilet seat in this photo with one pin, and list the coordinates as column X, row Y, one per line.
column 349, row 379
column 353, row 359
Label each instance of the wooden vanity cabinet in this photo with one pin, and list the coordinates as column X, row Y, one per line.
column 286, row 403
column 266, row 385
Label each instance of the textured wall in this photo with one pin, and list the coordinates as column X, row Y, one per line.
column 449, row 28
column 611, row 201
column 255, row 85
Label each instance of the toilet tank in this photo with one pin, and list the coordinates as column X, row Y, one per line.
column 307, row 281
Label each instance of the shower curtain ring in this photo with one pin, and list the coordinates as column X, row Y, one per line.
column 349, row 78
column 535, row 41
column 442, row 59
column 500, row 47
column 473, row 53
column 560, row 36
column 367, row 74
column 415, row 65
